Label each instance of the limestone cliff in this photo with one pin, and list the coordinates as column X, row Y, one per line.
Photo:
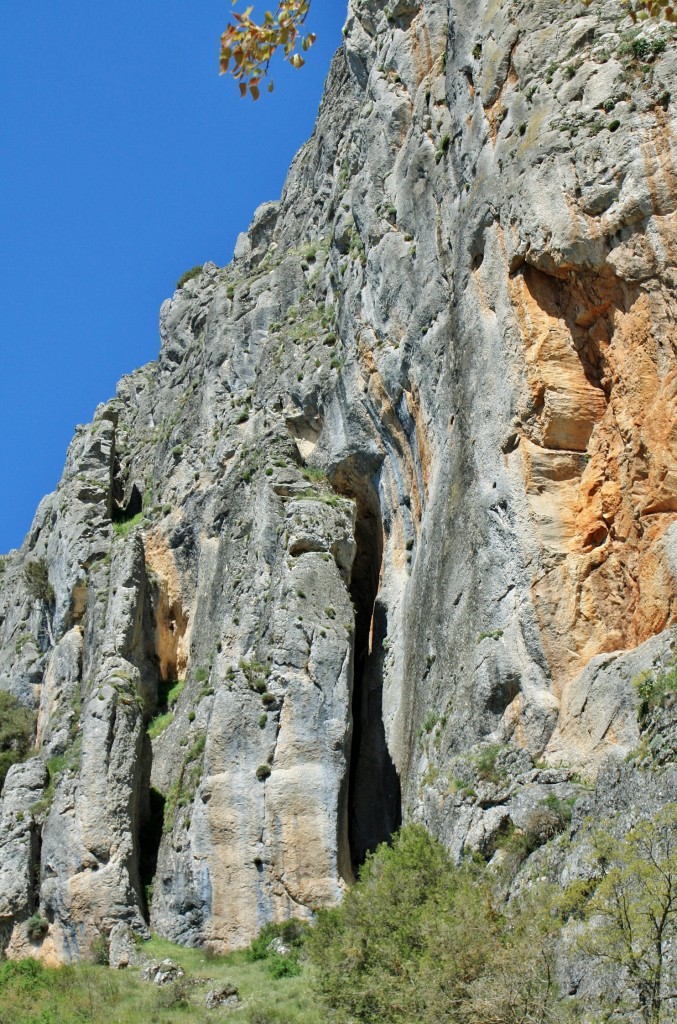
column 403, row 480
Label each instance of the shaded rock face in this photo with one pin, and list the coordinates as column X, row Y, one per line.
column 402, row 480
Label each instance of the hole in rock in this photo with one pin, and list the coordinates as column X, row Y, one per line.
column 374, row 798
column 123, row 513
column 150, row 836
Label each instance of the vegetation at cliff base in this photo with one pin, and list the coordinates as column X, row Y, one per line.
column 89, row 993
column 418, row 939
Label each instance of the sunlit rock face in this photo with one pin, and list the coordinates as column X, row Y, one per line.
column 403, row 480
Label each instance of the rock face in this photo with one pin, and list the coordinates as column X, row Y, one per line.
column 402, row 481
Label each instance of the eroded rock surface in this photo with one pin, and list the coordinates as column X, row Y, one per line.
column 401, row 484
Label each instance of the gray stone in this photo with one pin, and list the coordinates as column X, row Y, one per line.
column 163, row 972
column 225, row 996
column 399, row 488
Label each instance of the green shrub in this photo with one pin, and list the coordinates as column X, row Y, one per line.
column 418, row 939
column 652, row 687
column 430, row 723
column 263, row 772
column 17, row 725
column 197, row 748
column 292, row 934
column 37, row 926
column 283, row 966
column 99, row 951
column 493, row 634
column 158, row 724
column 543, row 823
column 36, row 578
column 189, row 275
column 485, row 763
column 175, row 996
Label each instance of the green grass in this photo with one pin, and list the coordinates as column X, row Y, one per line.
column 125, row 526
column 160, row 723
column 189, row 275
column 88, row 994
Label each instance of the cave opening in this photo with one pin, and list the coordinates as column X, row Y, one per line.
column 150, row 837
column 122, row 513
column 374, row 796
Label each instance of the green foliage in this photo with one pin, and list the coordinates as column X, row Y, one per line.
column 247, row 47
column 543, row 823
column 256, row 673
column 292, row 935
column 639, row 47
column 87, row 993
column 56, row 766
column 494, row 634
column 36, row 926
column 430, row 722
column 99, row 950
column 36, row 578
column 283, row 966
column 317, row 476
column 652, row 687
column 158, row 724
column 28, row 975
column 263, row 772
column 418, row 939
column 485, row 763
column 442, row 148
column 189, row 275
column 17, row 725
column 632, row 916
column 169, row 692
column 123, row 527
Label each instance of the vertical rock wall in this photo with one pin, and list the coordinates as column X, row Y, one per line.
column 401, row 481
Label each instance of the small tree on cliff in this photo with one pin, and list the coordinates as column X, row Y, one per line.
column 36, row 578
column 632, row 918
column 247, row 46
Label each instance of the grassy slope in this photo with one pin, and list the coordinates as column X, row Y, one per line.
column 88, row 994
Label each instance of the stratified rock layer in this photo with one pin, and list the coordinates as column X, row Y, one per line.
column 402, row 481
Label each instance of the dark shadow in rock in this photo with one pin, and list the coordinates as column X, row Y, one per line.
column 374, row 796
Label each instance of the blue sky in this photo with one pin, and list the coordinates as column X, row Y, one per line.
column 126, row 160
